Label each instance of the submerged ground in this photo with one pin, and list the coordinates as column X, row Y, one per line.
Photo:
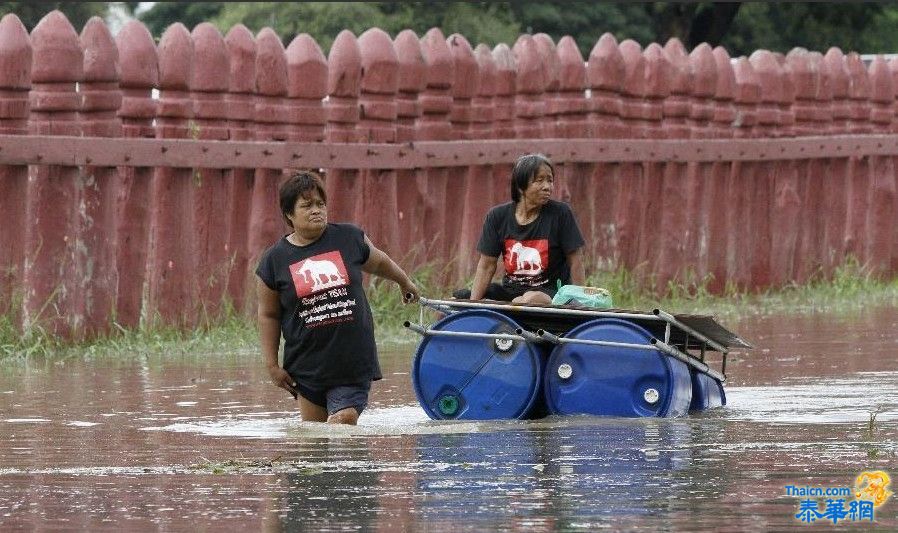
column 200, row 440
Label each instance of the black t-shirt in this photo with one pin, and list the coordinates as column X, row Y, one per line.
column 325, row 317
column 535, row 255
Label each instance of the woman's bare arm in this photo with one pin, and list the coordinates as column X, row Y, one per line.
column 269, row 312
column 578, row 272
column 486, row 269
column 380, row 264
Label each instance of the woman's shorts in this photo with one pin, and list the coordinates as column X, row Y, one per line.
column 338, row 398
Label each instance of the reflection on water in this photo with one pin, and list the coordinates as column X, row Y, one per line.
column 204, row 441
column 606, row 465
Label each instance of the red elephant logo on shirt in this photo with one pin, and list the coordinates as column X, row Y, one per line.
column 526, row 258
column 323, row 271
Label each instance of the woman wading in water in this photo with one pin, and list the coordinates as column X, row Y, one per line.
column 310, row 292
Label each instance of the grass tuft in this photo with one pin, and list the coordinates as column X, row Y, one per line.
column 231, row 331
column 850, row 288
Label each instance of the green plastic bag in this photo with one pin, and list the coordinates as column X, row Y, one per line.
column 596, row 297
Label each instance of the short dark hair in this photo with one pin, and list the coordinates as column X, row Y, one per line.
column 300, row 184
column 524, row 169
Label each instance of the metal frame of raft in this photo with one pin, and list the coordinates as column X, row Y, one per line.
column 540, row 335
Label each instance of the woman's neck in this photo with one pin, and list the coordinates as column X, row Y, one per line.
column 305, row 238
column 525, row 212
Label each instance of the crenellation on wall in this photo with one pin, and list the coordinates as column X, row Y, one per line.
column 802, row 174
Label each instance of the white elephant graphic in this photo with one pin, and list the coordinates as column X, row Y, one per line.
column 527, row 260
column 321, row 274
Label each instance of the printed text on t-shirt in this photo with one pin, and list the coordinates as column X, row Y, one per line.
column 321, row 284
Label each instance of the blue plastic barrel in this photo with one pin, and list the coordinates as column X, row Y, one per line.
column 615, row 381
column 707, row 392
column 463, row 378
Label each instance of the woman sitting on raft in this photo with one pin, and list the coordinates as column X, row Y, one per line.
column 537, row 237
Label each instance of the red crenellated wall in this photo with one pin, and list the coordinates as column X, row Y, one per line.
column 680, row 165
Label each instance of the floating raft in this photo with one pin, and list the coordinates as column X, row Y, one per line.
column 497, row 360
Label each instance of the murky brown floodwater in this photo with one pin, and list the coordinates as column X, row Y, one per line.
column 205, row 443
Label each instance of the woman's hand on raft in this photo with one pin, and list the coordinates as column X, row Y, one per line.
column 282, row 379
column 409, row 293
